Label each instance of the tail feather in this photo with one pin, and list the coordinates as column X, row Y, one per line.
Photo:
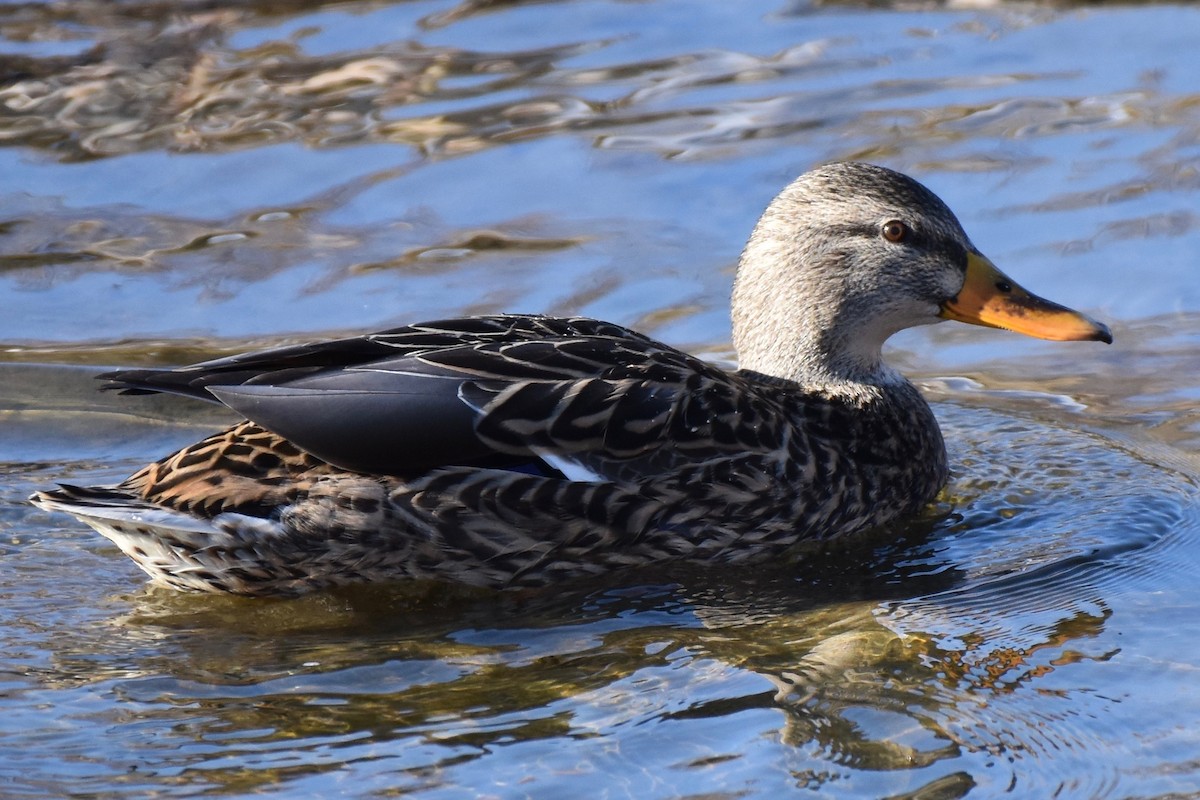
column 173, row 548
column 68, row 496
column 112, row 505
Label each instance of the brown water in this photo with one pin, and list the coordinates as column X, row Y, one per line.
column 181, row 180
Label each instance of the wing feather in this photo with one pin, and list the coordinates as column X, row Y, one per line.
column 568, row 391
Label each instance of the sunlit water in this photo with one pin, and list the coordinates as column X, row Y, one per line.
column 226, row 176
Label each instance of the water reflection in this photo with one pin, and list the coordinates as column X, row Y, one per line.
column 182, row 87
column 848, row 693
column 952, row 654
column 186, row 86
column 186, row 180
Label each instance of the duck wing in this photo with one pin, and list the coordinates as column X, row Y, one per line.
column 279, row 365
column 591, row 400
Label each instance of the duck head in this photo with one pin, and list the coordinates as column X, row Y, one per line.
column 851, row 253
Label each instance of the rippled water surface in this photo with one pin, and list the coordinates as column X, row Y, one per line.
column 181, row 180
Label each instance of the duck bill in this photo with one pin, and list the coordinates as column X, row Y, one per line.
column 992, row 299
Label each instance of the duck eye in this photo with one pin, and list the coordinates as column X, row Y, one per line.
column 895, row 231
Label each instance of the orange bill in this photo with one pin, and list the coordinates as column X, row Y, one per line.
column 991, row 298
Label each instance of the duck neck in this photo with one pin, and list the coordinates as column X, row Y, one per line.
column 813, row 358
column 811, row 345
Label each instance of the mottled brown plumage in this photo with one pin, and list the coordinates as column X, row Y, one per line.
column 513, row 450
column 244, row 468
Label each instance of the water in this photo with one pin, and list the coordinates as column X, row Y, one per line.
column 180, row 185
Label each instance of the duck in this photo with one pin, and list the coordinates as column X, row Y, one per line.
column 515, row 451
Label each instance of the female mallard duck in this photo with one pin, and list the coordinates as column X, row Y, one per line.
column 512, row 450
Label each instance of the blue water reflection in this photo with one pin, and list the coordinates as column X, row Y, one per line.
column 178, row 185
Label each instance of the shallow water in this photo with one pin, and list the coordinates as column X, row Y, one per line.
column 188, row 181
